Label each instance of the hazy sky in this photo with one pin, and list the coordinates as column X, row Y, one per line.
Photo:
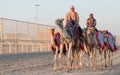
column 106, row 12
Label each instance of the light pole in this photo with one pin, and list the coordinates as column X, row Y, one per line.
column 37, row 5
column 37, row 27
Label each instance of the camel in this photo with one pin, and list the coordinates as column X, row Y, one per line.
column 110, row 45
column 91, row 43
column 57, row 46
column 95, row 43
column 105, row 43
column 73, row 46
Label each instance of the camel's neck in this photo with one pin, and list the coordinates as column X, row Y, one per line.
column 52, row 39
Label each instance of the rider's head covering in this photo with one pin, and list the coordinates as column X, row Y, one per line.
column 91, row 14
column 71, row 7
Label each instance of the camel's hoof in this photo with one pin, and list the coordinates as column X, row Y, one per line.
column 60, row 68
column 101, row 69
column 64, row 66
column 69, row 70
column 94, row 69
column 81, row 64
column 91, row 56
column 87, row 65
column 106, row 66
column 55, row 69
column 111, row 64
column 73, row 67
column 77, row 68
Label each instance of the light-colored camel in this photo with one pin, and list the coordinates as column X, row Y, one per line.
column 94, row 44
column 104, row 48
column 91, row 46
column 110, row 49
column 57, row 50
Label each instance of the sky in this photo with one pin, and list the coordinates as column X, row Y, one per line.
column 106, row 12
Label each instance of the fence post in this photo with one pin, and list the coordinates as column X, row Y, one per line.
column 38, row 38
column 16, row 38
column 41, row 47
column 1, row 36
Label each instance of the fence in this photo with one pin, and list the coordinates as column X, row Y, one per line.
column 23, row 37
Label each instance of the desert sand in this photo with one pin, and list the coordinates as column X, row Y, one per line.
column 42, row 64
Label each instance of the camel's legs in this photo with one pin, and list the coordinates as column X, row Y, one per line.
column 55, row 59
column 70, row 56
column 111, row 58
column 60, row 55
column 110, row 54
column 105, row 51
column 88, row 61
column 94, row 59
column 77, row 59
column 100, row 60
column 81, row 58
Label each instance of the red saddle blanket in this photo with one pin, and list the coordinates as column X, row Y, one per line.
column 57, row 42
column 110, row 42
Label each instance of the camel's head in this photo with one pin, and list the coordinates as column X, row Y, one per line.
column 52, row 30
column 91, row 30
column 59, row 22
column 105, row 31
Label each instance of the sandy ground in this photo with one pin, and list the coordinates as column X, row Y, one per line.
column 42, row 64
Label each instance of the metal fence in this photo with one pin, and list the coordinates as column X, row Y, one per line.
column 23, row 37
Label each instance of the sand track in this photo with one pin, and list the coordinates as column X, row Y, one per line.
column 42, row 64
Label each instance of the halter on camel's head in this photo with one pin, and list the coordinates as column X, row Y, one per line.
column 91, row 30
column 59, row 22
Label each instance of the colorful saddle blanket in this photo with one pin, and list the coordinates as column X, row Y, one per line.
column 57, row 39
column 100, row 39
column 57, row 42
column 110, row 42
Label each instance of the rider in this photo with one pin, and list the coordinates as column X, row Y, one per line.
column 91, row 21
column 73, row 17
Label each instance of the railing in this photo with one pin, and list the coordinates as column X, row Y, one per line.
column 23, row 37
